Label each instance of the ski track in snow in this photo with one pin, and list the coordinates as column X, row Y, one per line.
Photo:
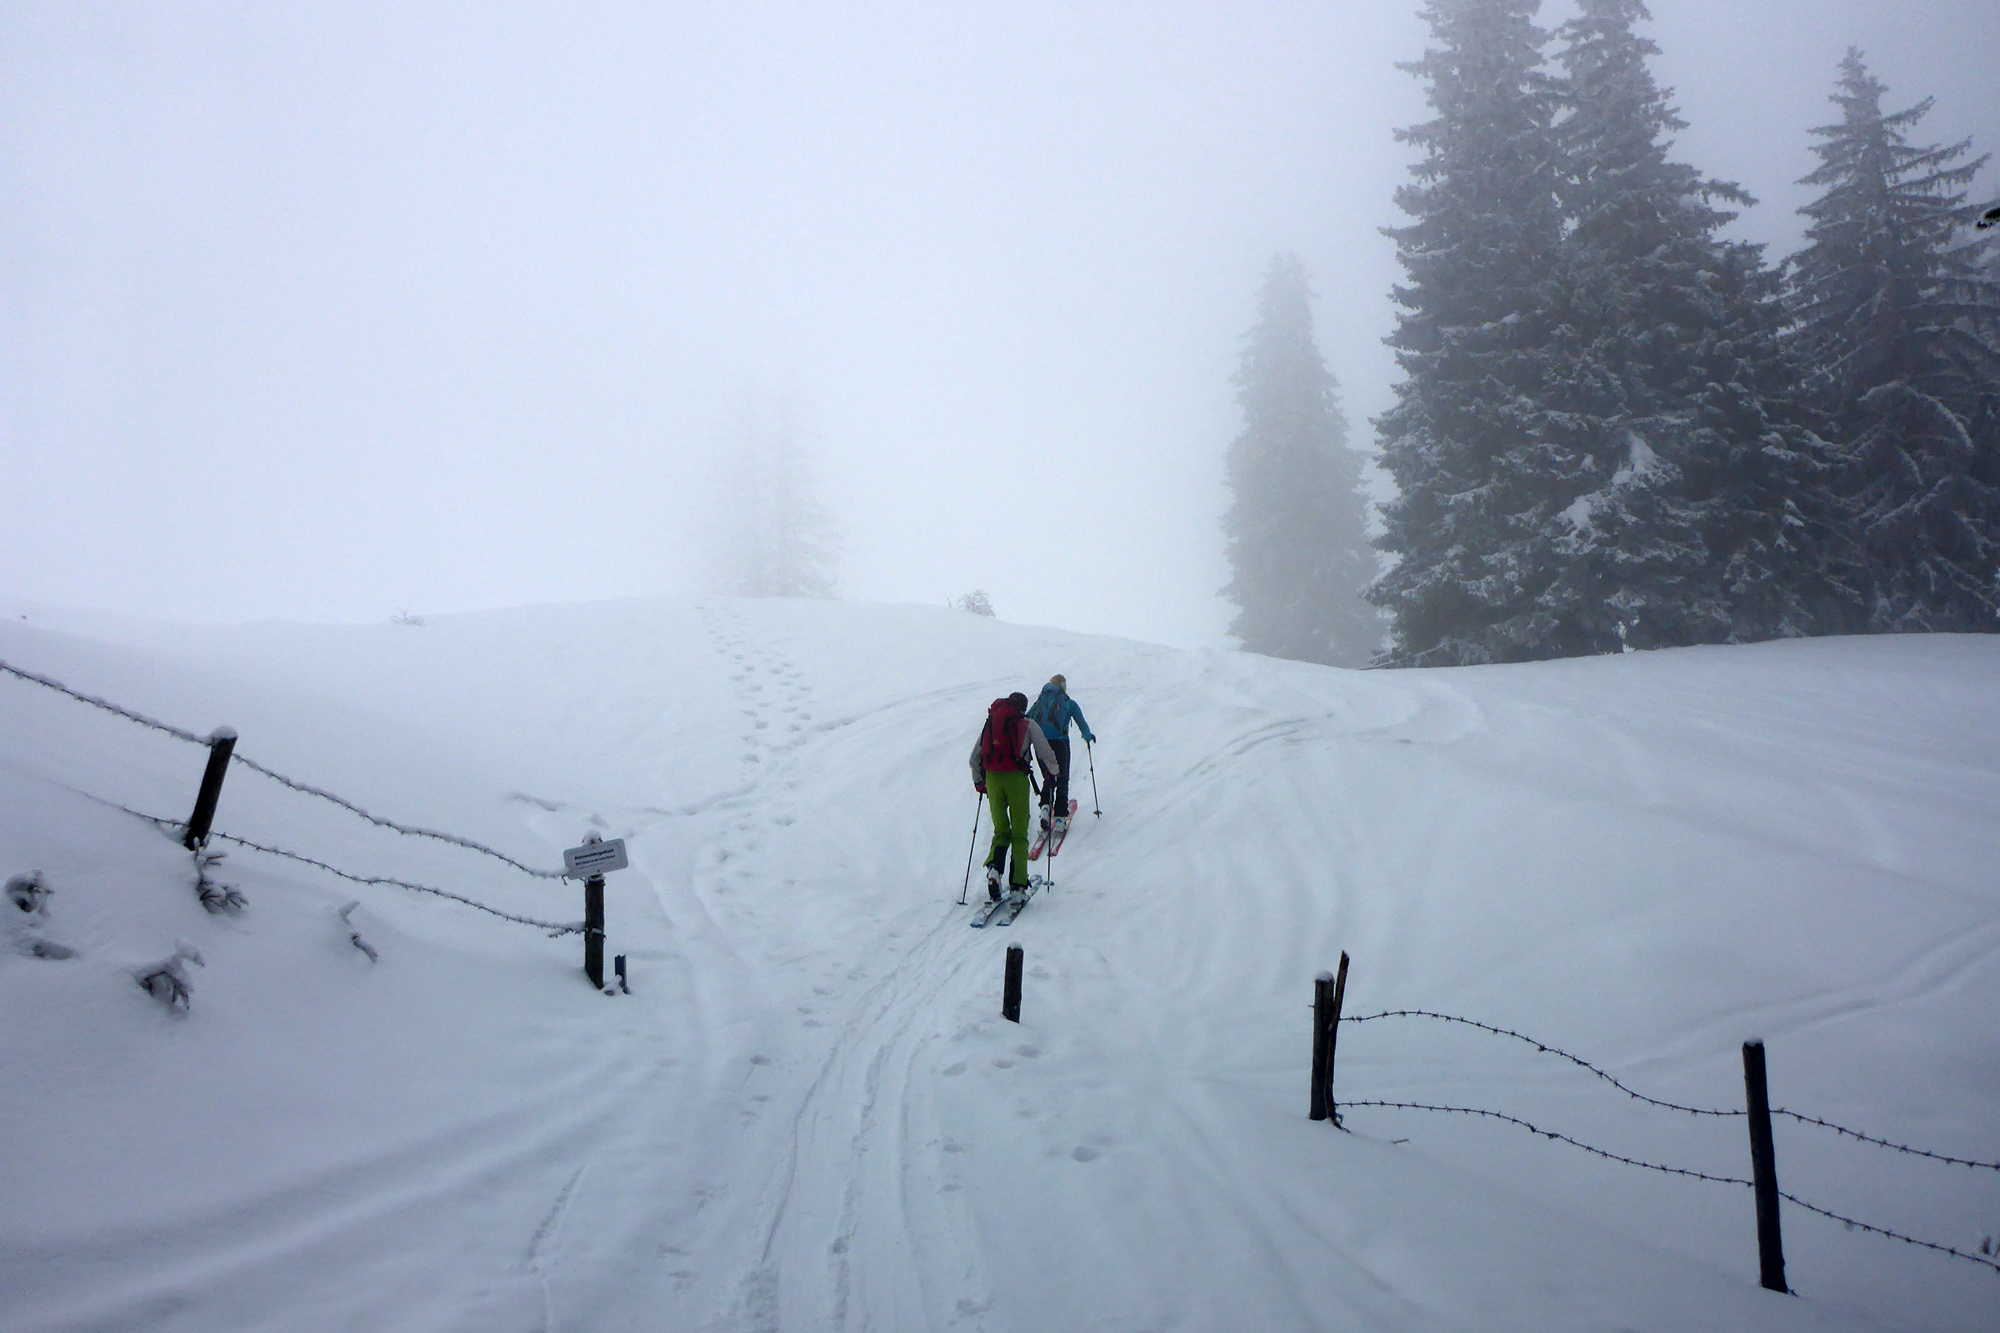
column 808, row 1115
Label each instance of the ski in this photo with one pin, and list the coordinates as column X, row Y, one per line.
column 1056, row 846
column 983, row 913
column 1042, row 837
column 1014, row 903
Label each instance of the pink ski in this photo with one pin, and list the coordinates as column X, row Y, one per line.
column 1042, row 837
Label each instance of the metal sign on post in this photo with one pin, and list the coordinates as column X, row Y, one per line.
column 594, row 858
column 589, row 864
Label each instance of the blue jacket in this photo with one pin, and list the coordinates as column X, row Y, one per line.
column 1053, row 711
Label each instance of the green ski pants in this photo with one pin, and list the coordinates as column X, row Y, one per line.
column 1007, row 798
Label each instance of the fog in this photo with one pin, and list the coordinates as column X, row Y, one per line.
column 336, row 311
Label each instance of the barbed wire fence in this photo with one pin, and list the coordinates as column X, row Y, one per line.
column 197, row 834
column 1672, row 1106
column 556, row 929
column 1327, row 1020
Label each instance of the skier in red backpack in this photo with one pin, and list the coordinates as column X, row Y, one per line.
column 1000, row 760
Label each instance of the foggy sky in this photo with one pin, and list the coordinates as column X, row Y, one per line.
column 327, row 312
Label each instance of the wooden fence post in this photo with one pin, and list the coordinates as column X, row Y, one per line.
column 221, row 744
column 1763, row 1170
column 1328, row 992
column 593, row 930
column 1010, row 992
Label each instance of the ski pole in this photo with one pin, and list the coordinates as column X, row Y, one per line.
column 1050, row 866
column 967, row 888
column 1091, row 755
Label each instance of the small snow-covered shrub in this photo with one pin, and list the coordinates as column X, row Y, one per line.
column 215, row 895
column 976, row 602
column 353, row 935
column 167, row 980
column 29, row 893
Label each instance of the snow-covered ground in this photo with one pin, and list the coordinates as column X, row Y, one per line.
column 809, row 1114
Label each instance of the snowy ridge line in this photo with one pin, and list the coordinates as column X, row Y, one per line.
column 556, row 929
column 1979, row 1259
column 294, row 784
column 1547, row 1049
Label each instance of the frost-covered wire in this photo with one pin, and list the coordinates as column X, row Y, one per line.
column 255, row 767
column 105, row 704
column 555, row 928
column 406, row 829
column 1552, row 1134
column 1579, row 1061
column 1682, row 1171
column 1546, row 1049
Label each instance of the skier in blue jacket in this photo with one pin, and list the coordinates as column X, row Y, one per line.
column 1052, row 712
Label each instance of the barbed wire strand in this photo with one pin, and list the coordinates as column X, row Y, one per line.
column 1892, row 1235
column 407, row 829
column 255, row 767
column 1675, row 1106
column 105, row 704
column 1552, row 1134
column 1884, row 1143
column 556, row 929
column 1546, row 1049
column 1681, row 1171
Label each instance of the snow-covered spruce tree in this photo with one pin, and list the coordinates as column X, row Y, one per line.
column 1297, row 526
column 780, row 540
column 1705, row 516
column 1481, row 481
column 1901, row 326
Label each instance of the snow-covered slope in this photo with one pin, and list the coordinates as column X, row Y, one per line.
column 809, row 1114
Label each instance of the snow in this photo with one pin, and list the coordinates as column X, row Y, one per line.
column 809, row 1114
column 1580, row 512
column 1640, row 462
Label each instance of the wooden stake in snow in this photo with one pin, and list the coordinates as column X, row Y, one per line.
column 1010, row 991
column 589, row 863
column 1328, row 992
column 593, row 930
column 221, row 744
column 1763, row 1170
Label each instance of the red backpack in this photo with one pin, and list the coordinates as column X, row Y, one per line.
column 1000, row 743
